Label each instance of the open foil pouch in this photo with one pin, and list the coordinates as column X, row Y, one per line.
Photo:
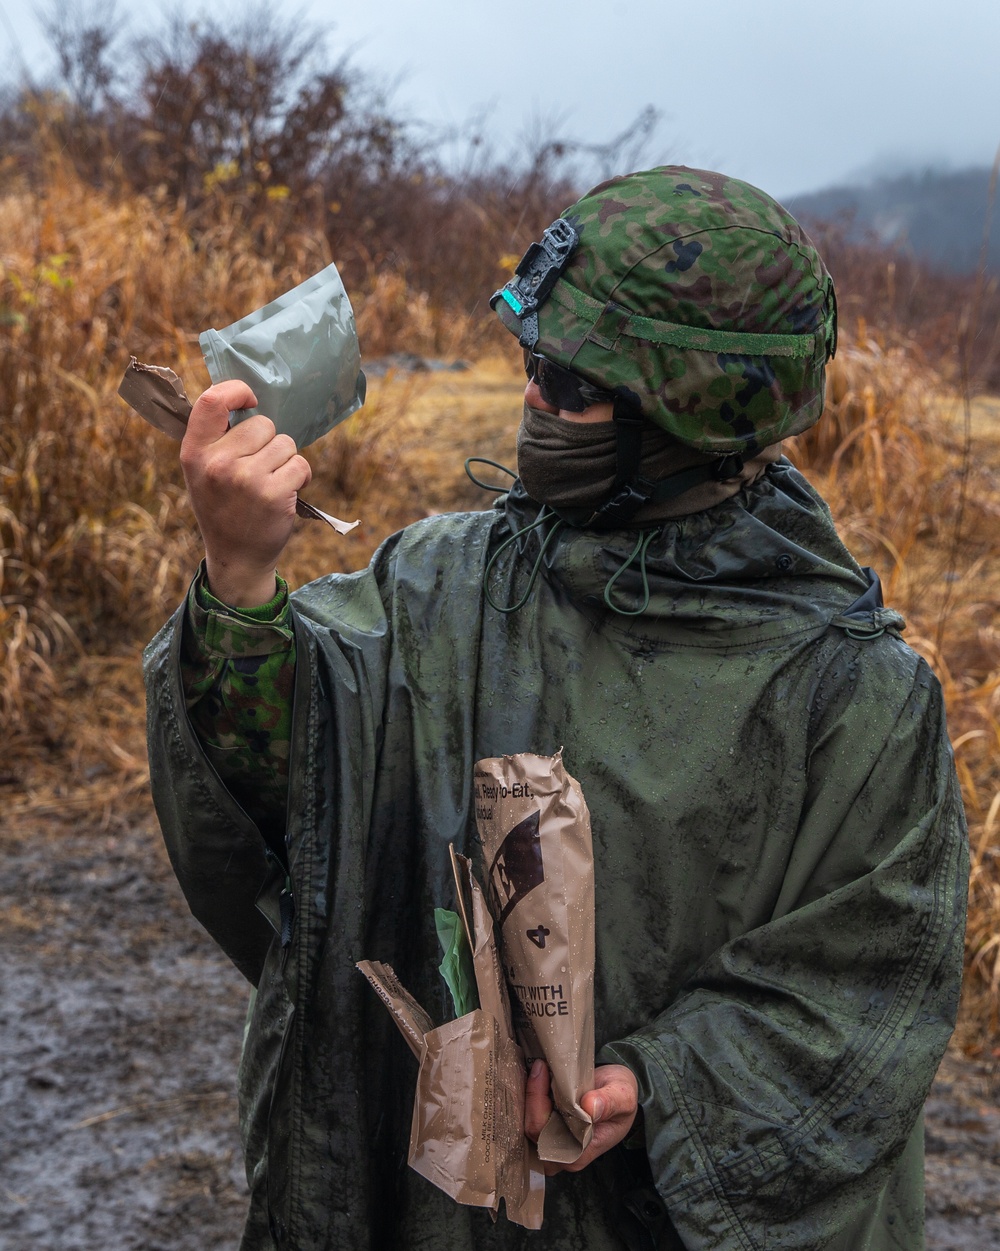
column 300, row 357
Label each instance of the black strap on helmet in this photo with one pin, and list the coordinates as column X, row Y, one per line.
column 630, row 491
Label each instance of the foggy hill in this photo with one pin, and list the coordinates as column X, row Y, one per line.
column 935, row 215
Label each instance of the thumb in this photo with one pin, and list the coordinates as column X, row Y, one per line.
column 209, row 418
column 612, row 1098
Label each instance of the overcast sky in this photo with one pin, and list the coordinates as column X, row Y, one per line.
column 792, row 95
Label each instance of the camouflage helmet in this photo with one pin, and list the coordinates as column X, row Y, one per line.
column 697, row 297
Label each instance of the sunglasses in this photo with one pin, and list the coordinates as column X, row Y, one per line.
column 561, row 387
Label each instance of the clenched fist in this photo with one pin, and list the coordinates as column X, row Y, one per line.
column 613, row 1105
column 243, row 484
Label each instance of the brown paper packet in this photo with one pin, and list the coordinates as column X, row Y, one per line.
column 517, row 1155
column 411, row 1020
column 479, row 929
column 467, row 1132
column 539, row 862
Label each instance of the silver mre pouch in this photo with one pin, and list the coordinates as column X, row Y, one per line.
column 299, row 355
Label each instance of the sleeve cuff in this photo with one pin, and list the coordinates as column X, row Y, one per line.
column 216, row 630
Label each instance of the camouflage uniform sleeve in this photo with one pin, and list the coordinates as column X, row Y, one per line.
column 238, row 675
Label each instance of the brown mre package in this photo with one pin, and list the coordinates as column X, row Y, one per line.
column 467, row 1132
column 539, row 860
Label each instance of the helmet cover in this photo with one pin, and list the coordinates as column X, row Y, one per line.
column 699, row 298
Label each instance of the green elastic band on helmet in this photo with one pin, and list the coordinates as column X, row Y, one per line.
column 731, row 342
column 693, row 338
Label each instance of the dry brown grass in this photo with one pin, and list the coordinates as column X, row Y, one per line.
column 910, row 471
column 97, row 542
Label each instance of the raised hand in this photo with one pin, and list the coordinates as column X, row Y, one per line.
column 243, row 484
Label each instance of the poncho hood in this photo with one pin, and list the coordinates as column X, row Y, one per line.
column 767, row 558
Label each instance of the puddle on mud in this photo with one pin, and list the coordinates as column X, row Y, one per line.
column 120, row 1027
column 963, row 1158
column 119, row 1030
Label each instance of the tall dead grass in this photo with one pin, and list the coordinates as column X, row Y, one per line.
column 96, row 539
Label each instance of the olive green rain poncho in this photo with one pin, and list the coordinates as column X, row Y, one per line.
column 779, row 854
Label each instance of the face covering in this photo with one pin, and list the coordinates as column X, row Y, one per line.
column 573, row 464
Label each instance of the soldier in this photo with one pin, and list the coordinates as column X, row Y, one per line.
column 779, row 842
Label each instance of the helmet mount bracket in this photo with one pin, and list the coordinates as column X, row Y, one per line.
column 536, row 274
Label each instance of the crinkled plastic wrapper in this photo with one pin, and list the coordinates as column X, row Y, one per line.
column 299, row 355
column 539, row 860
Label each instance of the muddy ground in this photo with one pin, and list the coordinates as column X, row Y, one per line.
column 120, row 1028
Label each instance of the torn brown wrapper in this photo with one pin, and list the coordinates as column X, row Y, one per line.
column 157, row 394
column 539, row 859
column 467, row 1132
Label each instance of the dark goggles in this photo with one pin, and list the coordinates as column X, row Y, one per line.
column 561, row 387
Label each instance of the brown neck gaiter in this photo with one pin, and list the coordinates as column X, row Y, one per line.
column 573, row 464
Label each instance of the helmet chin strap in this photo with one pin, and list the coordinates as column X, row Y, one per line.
column 630, row 491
